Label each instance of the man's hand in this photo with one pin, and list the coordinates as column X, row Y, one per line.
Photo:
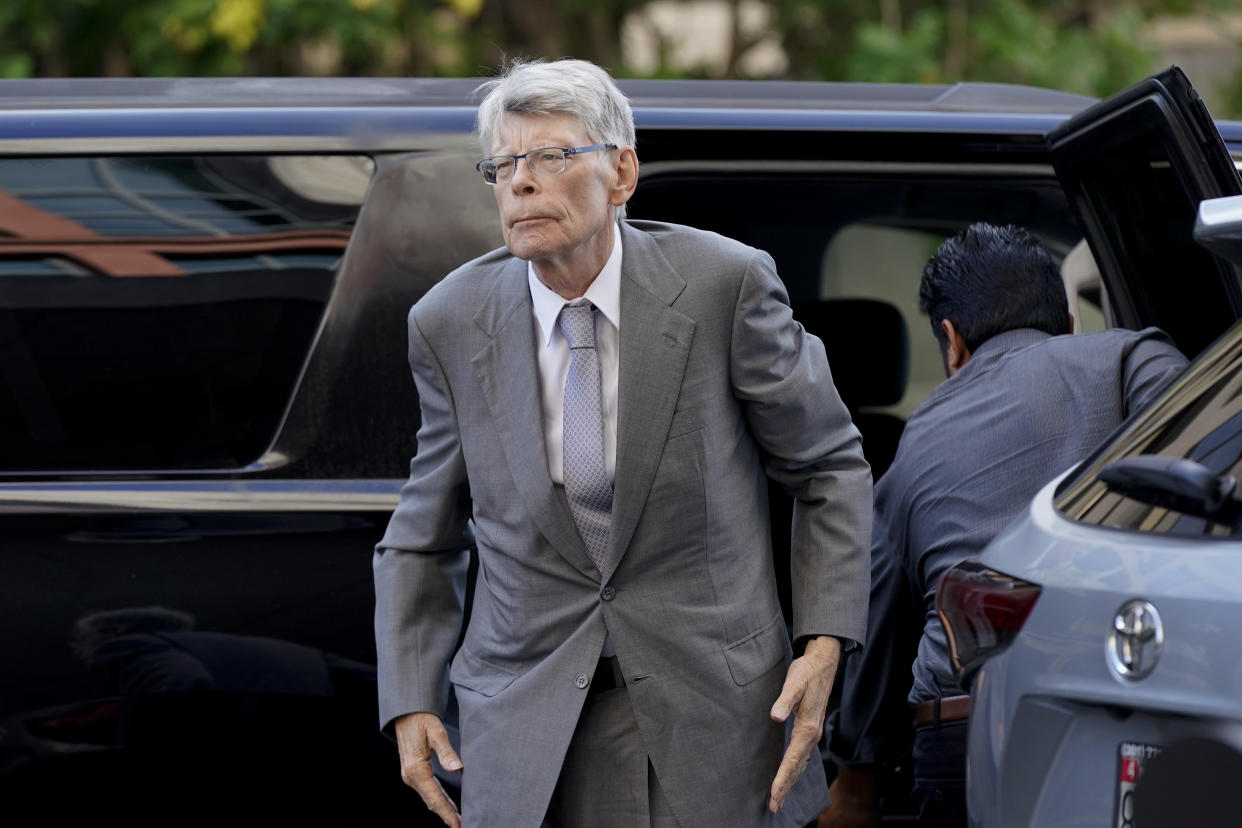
column 855, row 797
column 419, row 735
column 805, row 694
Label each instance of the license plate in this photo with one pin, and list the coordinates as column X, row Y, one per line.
column 1132, row 757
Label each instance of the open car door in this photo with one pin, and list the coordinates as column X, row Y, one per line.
column 1135, row 166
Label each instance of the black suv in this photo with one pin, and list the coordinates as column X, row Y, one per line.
column 205, row 414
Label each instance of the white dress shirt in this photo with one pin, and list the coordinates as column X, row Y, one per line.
column 605, row 294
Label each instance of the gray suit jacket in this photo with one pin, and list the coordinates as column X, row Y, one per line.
column 717, row 383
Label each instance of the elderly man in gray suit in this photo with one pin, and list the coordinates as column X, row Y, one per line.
column 600, row 401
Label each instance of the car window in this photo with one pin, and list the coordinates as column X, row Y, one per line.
column 1199, row 419
column 155, row 312
column 857, row 235
column 886, row 263
column 1088, row 309
column 1087, row 297
column 1135, row 192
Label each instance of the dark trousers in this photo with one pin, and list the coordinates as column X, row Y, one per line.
column 940, row 774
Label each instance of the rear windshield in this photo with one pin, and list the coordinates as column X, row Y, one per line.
column 1199, row 419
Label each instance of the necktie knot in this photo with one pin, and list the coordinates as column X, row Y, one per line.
column 578, row 325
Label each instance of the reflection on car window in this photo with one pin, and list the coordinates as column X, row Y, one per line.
column 155, row 312
column 1200, row 419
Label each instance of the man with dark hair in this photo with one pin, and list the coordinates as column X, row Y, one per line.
column 1023, row 401
column 961, row 282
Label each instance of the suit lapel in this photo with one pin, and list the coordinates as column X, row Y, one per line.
column 655, row 343
column 507, row 370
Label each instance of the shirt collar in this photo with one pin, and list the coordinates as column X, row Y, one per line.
column 604, row 293
column 1009, row 340
column 990, row 352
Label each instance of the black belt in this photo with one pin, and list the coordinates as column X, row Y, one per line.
column 607, row 676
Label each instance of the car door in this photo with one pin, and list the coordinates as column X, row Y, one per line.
column 1135, row 167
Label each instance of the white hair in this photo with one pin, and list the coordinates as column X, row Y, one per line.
column 573, row 87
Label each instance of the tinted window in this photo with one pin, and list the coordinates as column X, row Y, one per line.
column 1134, row 190
column 1200, row 419
column 155, row 312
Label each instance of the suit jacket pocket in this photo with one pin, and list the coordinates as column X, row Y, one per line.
column 686, row 421
column 757, row 653
column 692, row 414
column 474, row 673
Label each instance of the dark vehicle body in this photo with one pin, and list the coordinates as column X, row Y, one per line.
column 204, row 404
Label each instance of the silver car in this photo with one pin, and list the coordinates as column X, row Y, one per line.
column 1103, row 630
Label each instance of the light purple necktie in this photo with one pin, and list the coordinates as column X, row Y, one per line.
column 586, row 473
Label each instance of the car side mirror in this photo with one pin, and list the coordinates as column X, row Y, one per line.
column 1218, row 227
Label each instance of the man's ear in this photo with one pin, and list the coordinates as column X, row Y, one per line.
column 956, row 354
column 627, row 176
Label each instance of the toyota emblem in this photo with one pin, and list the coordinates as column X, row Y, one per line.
column 1135, row 641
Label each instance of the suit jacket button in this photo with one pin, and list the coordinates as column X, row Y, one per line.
column 581, row 681
column 608, row 593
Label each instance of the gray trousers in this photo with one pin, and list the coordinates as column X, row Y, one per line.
column 607, row 780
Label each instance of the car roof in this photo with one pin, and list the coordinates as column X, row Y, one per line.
column 124, row 93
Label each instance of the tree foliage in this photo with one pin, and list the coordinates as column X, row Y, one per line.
column 1093, row 47
column 229, row 37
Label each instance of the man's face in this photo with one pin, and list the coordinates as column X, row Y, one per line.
column 555, row 219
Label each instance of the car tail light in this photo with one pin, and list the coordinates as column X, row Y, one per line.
column 982, row 611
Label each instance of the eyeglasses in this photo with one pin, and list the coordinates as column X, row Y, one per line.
column 543, row 161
